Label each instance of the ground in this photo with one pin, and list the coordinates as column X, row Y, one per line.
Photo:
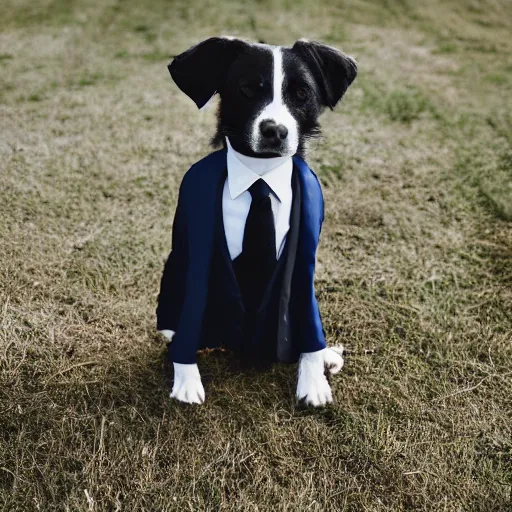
column 414, row 269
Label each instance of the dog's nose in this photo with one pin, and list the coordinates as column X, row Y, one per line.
column 272, row 131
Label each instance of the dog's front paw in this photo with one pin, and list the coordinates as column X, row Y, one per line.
column 187, row 385
column 312, row 385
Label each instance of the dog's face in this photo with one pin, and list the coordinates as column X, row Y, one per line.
column 271, row 96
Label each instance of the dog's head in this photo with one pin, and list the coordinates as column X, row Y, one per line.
column 271, row 96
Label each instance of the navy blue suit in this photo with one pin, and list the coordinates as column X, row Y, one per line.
column 198, row 286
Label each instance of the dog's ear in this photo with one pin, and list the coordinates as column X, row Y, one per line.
column 200, row 71
column 333, row 70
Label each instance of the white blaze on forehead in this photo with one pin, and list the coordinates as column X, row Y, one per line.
column 277, row 110
column 278, row 76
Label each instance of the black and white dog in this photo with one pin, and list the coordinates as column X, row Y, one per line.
column 270, row 101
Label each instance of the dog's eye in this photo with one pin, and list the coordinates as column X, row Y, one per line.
column 301, row 93
column 247, row 91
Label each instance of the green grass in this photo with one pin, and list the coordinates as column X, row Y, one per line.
column 405, row 104
column 414, row 273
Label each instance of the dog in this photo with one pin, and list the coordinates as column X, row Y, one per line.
column 241, row 269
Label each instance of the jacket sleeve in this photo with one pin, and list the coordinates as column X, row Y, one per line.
column 172, row 285
column 307, row 319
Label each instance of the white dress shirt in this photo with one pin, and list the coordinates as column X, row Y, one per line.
column 243, row 171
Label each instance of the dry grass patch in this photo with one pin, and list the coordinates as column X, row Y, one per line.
column 415, row 266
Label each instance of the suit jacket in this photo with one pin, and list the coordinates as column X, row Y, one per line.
column 184, row 286
column 264, row 334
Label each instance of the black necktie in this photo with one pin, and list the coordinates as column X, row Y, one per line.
column 254, row 267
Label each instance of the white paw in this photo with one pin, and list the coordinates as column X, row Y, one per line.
column 187, row 385
column 312, row 385
column 167, row 334
column 333, row 358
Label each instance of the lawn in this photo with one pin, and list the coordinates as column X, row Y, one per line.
column 414, row 269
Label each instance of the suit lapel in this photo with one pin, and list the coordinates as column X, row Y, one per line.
column 285, row 350
column 305, row 223
column 204, row 208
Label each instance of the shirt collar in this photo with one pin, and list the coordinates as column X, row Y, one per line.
column 244, row 170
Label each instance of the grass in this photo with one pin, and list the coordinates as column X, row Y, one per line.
column 414, row 270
